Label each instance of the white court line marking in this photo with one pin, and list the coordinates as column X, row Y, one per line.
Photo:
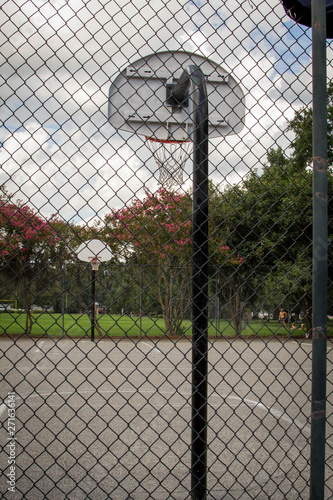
column 38, row 347
column 309, row 344
column 152, row 347
column 249, row 402
column 277, row 414
column 105, row 391
column 3, row 408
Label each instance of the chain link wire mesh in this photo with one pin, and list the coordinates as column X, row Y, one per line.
column 111, row 418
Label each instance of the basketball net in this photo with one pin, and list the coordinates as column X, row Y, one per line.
column 170, row 157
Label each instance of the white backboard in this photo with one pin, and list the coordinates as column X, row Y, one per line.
column 94, row 249
column 138, row 98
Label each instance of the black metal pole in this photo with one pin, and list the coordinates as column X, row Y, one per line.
column 141, row 292
column 93, row 296
column 200, row 288
column 319, row 298
column 193, row 75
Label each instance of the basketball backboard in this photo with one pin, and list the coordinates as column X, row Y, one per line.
column 94, row 250
column 140, row 98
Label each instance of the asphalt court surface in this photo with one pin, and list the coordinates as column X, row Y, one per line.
column 113, row 417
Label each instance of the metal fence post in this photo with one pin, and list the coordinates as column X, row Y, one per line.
column 319, row 301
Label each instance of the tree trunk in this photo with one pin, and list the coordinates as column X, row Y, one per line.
column 232, row 294
column 308, row 315
column 28, row 321
column 172, row 285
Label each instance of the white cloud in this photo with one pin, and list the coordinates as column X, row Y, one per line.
column 59, row 150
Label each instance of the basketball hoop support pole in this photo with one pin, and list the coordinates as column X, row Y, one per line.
column 93, row 300
column 193, row 76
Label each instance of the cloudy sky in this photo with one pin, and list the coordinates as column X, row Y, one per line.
column 58, row 59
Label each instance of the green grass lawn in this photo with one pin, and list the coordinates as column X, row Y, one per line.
column 78, row 325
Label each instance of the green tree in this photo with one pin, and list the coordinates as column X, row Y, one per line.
column 301, row 125
column 268, row 219
column 69, row 277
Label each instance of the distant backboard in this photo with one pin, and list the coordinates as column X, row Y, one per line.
column 94, row 249
column 140, row 98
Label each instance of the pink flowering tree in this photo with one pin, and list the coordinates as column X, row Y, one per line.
column 27, row 250
column 157, row 234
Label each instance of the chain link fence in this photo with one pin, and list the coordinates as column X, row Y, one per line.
column 103, row 286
